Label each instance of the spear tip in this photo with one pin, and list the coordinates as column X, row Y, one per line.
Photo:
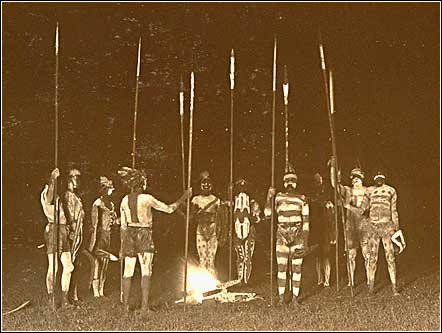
column 56, row 38
column 139, row 56
column 286, row 75
column 181, row 83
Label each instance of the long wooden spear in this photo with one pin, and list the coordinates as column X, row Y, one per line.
column 55, row 196
column 285, row 89
column 189, row 173
column 332, row 112
column 182, row 131
column 273, row 170
column 134, row 140
column 330, row 109
column 232, row 89
column 327, row 99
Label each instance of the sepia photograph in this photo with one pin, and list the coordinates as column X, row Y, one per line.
column 220, row 166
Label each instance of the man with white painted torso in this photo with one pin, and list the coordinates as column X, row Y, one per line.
column 246, row 214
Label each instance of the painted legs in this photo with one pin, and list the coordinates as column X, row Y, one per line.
column 283, row 256
column 244, row 255
column 207, row 252
column 100, row 270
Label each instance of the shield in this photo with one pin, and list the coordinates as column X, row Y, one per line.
column 222, row 225
column 398, row 242
column 301, row 253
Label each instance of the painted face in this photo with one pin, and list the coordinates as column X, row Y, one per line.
column 290, row 184
column 110, row 191
column 318, row 180
column 379, row 181
column 356, row 181
column 74, row 183
column 242, row 186
column 145, row 185
column 206, row 185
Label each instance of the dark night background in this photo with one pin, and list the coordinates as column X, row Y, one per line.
column 385, row 59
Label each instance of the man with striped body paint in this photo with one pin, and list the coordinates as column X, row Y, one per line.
column 292, row 234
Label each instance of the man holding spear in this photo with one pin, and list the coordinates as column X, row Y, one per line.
column 136, row 222
column 354, row 226
column 50, row 203
column 329, row 97
column 292, row 234
column 56, row 232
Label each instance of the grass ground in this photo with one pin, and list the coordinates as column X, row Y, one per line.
column 418, row 307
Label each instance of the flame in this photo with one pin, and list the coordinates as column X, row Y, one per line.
column 199, row 281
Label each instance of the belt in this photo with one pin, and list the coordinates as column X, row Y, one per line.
column 287, row 225
column 52, row 223
column 139, row 225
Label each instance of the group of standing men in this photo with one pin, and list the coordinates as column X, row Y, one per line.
column 295, row 212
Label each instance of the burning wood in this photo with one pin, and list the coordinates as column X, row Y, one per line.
column 221, row 294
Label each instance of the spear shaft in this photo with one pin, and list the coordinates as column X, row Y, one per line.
column 189, row 173
column 55, row 236
column 332, row 133
column 341, row 208
column 285, row 88
column 330, row 109
column 232, row 89
column 134, row 140
column 182, row 132
column 273, row 170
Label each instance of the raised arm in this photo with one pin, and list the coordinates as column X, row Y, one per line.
column 268, row 207
column 341, row 188
column 50, row 193
column 161, row 206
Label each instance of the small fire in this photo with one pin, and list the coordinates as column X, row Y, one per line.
column 199, row 281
